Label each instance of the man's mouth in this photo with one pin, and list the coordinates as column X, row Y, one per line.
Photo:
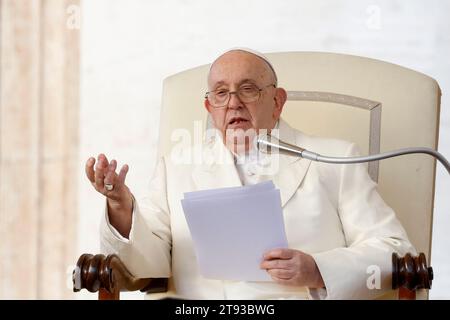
column 236, row 121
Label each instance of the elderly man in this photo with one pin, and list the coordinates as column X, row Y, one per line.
column 340, row 232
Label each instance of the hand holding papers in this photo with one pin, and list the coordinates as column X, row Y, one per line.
column 232, row 228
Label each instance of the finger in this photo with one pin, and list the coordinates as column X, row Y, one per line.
column 111, row 173
column 280, row 253
column 275, row 264
column 104, row 159
column 122, row 174
column 280, row 273
column 89, row 168
column 100, row 170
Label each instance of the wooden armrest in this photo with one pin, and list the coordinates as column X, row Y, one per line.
column 108, row 275
column 410, row 274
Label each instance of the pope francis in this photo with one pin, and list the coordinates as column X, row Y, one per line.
column 340, row 232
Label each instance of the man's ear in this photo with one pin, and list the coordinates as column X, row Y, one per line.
column 280, row 99
column 207, row 105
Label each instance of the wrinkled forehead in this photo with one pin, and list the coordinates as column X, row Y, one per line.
column 238, row 66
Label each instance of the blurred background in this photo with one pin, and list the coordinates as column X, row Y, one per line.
column 81, row 77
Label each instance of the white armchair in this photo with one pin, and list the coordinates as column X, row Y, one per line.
column 378, row 105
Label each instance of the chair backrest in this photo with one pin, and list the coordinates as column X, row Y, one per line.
column 379, row 105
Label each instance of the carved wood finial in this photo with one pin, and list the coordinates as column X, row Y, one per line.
column 411, row 272
column 92, row 273
column 108, row 275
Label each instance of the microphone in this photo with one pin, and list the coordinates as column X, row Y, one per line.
column 267, row 143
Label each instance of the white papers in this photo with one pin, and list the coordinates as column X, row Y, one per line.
column 232, row 228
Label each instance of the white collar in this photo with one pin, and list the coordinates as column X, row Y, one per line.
column 254, row 156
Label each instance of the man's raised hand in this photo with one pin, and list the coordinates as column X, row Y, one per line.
column 106, row 181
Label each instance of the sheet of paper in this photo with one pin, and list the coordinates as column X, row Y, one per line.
column 266, row 185
column 231, row 229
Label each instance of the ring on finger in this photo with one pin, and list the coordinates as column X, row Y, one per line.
column 109, row 186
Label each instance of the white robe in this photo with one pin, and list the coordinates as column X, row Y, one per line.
column 332, row 212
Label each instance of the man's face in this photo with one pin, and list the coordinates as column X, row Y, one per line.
column 235, row 70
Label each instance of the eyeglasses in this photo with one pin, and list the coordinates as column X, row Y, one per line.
column 247, row 93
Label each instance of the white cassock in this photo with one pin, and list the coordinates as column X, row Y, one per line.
column 332, row 212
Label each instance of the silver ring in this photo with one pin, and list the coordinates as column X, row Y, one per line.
column 109, row 187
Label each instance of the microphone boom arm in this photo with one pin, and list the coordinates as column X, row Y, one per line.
column 408, row 273
column 290, row 149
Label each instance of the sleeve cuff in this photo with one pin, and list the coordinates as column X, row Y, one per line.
column 317, row 294
column 116, row 234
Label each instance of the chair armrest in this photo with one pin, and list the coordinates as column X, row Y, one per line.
column 108, row 275
column 409, row 274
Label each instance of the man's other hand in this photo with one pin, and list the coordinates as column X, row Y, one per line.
column 292, row 267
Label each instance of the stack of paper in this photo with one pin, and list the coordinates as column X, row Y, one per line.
column 232, row 228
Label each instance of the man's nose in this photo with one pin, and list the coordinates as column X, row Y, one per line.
column 235, row 102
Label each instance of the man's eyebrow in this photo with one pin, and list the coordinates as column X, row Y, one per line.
column 218, row 84
column 246, row 80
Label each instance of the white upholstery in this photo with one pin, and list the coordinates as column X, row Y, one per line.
column 409, row 117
